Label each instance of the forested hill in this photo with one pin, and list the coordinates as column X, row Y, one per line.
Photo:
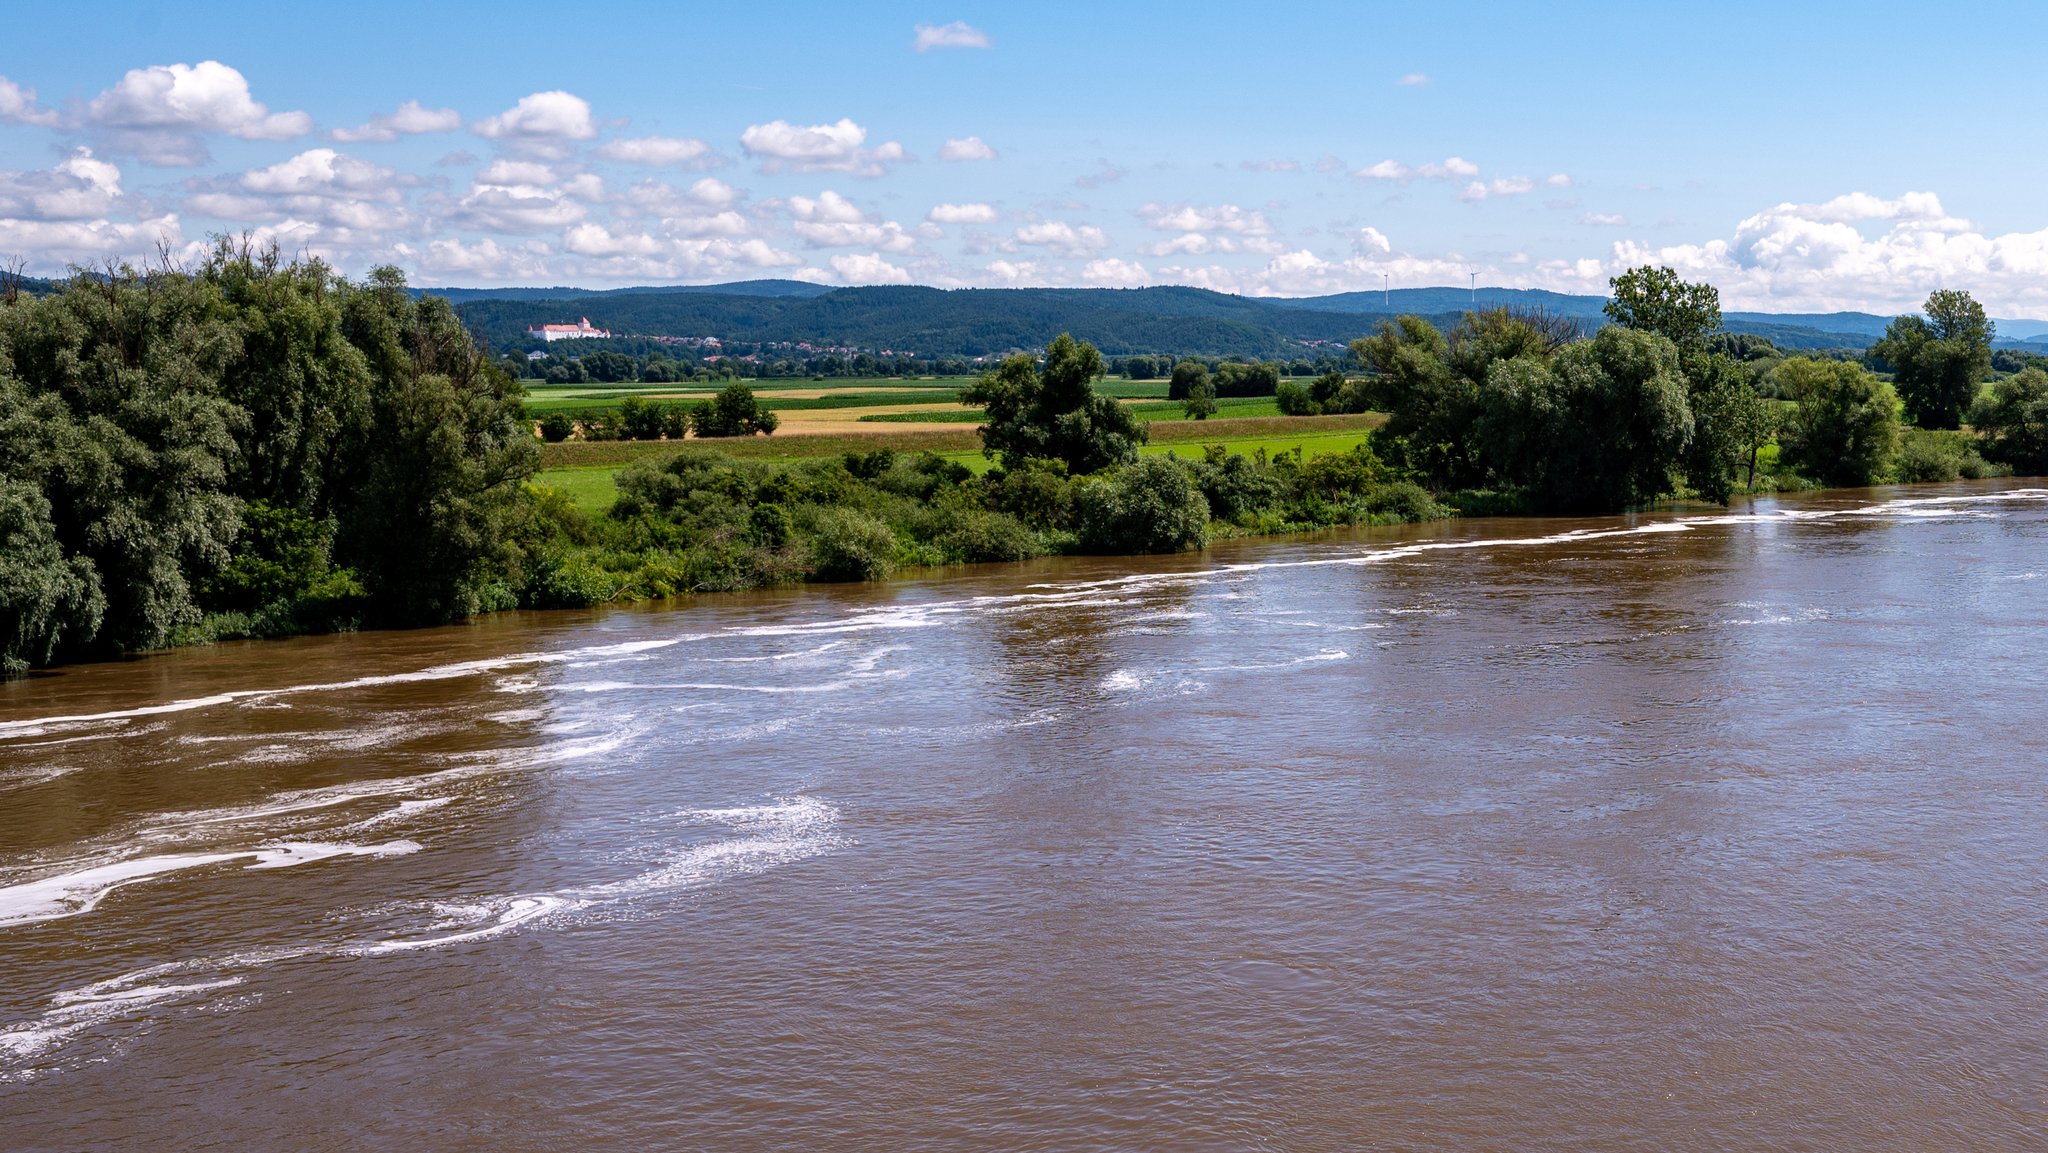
column 1119, row 321
column 935, row 322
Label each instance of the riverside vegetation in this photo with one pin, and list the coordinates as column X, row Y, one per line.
column 258, row 447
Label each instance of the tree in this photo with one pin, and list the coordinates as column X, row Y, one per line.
column 1599, row 427
column 2013, row 419
column 1652, row 299
column 1432, row 412
column 1185, row 375
column 1731, row 424
column 735, row 411
column 1201, row 401
column 1295, row 399
column 1054, row 412
column 1938, row 362
column 45, row 597
column 1234, row 379
column 1844, row 430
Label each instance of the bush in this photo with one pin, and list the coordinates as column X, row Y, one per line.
column 1035, row 491
column 972, row 535
column 1234, row 487
column 1296, row 400
column 1928, row 455
column 1152, row 506
column 569, row 582
column 1403, row 503
column 556, row 427
column 848, row 545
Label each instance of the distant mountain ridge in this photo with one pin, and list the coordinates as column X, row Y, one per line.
column 1121, row 321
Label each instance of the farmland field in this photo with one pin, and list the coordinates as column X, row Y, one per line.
column 583, row 469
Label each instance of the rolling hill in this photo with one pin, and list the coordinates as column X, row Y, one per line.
column 1120, row 321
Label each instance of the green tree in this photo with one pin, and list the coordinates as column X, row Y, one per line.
column 45, row 597
column 1598, row 427
column 1432, row 412
column 1653, row 299
column 2013, row 420
column 735, row 411
column 1731, row 424
column 1185, row 376
column 1295, row 399
column 1234, row 379
column 1938, row 361
column 443, row 465
column 1054, row 412
column 1201, row 401
column 1844, row 430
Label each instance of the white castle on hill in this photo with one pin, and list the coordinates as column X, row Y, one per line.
column 578, row 331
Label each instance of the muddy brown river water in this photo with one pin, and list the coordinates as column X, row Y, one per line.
column 1673, row 832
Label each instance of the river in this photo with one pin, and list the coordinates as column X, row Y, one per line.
column 1683, row 831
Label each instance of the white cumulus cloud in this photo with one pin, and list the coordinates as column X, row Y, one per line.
column 18, row 105
column 967, row 148
column 868, row 268
column 80, row 187
column 1494, row 189
column 657, row 151
column 1113, row 273
column 1063, row 238
column 1452, row 168
column 411, row 119
column 1215, row 218
column 958, row 34
column 836, row 147
column 962, row 214
column 554, row 115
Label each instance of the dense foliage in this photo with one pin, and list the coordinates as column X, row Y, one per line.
column 1938, row 360
column 1053, row 412
column 252, row 446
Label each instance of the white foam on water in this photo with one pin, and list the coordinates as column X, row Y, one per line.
column 78, row 1010
column 1319, row 657
column 80, row 891
column 498, row 918
column 1122, row 681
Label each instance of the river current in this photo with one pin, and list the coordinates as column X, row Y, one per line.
column 1683, row 831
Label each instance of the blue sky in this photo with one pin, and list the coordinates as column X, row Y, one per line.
column 1801, row 157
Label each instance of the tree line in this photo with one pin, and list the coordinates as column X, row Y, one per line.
column 251, row 446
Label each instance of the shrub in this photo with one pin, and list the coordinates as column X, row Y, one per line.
column 1296, row 400
column 1151, row 506
column 555, row 427
column 1035, row 491
column 848, row 545
column 972, row 535
column 1928, row 455
column 641, row 420
column 1234, row 487
column 569, row 582
column 1403, row 502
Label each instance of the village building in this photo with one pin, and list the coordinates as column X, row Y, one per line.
column 579, row 331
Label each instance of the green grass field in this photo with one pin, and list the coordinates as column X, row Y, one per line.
column 1144, row 410
column 583, row 469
